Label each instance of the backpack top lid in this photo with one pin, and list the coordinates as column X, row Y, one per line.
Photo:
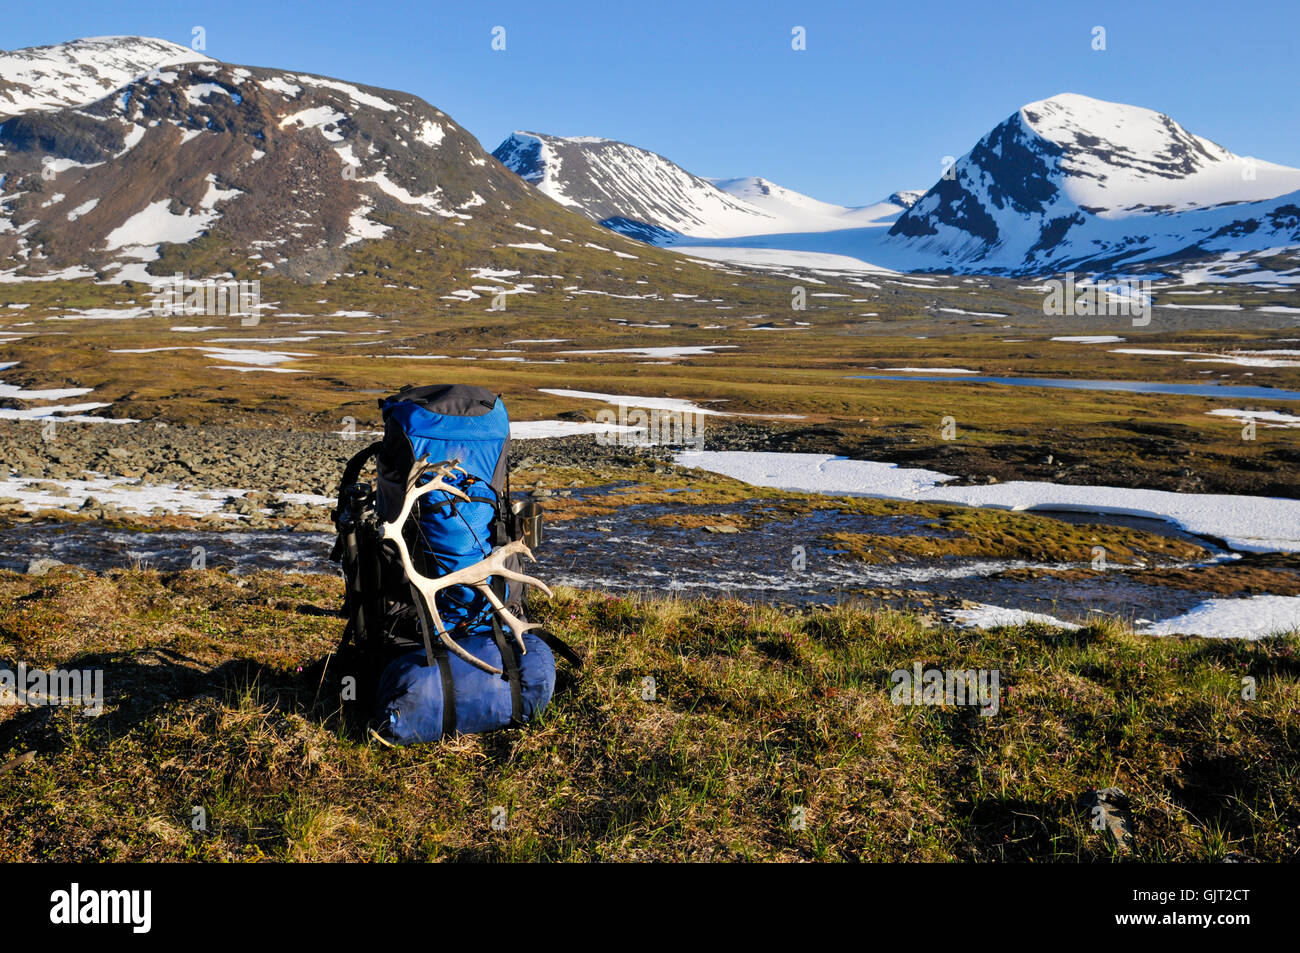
column 439, row 418
column 460, row 400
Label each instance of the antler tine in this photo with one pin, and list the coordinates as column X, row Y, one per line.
column 525, row 579
column 495, row 564
column 514, row 625
column 492, row 565
column 436, row 484
column 393, row 528
column 428, row 590
column 417, row 470
column 519, row 547
column 422, row 466
column 455, row 646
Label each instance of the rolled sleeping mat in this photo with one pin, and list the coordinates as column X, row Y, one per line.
column 410, row 706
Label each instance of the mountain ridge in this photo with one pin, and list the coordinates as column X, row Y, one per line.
column 644, row 194
column 283, row 172
column 1045, row 190
column 1068, row 182
column 291, row 172
column 81, row 71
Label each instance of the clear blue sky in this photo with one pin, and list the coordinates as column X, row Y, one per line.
column 882, row 93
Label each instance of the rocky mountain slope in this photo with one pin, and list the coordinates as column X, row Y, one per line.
column 116, row 153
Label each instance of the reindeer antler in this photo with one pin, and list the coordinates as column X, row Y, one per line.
column 475, row 576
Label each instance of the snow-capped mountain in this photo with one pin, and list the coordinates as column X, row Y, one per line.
column 113, row 149
column 617, row 184
column 798, row 212
column 119, row 147
column 80, row 72
column 647, row 196
column 1064, row 183
column 1074, row 182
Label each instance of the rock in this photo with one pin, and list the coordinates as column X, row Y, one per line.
column 243, row 506
column 1109, row 810
column 721, row 528
column 39, row 567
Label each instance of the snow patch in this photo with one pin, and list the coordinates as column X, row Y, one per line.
column 1244, row 523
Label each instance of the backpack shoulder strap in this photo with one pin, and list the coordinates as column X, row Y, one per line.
column 352, row 469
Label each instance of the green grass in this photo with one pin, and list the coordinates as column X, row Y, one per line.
column 759, row 716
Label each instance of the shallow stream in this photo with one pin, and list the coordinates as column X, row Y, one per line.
column 779, row 557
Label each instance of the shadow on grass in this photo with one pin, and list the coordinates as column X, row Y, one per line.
column 137, row 686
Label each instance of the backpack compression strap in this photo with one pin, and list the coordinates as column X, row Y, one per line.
column 559, row 647
column 436, row 654
column 509, row 658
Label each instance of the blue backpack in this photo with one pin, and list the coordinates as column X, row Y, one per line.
column 458, row 435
